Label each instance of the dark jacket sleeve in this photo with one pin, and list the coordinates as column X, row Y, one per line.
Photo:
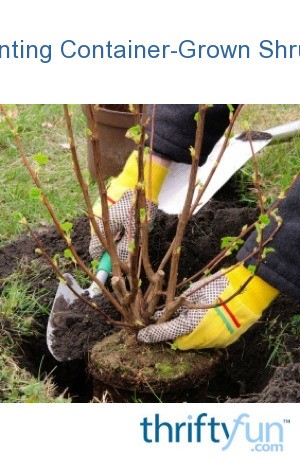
column 175, row 129
column 281, row 268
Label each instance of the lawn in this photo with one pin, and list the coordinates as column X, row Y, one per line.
column 42, row 131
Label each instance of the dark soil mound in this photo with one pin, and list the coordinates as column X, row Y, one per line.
column 23, row 249
column 243, row 370
column 284, row 387
column 76, row 328
column 253, row 364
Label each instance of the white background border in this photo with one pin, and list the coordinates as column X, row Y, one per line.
column 172, row 80
column 94, row 432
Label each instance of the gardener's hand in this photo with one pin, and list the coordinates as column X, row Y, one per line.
column 120, row 195
column 214, row 327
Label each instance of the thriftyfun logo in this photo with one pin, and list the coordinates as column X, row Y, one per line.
column 262, row 436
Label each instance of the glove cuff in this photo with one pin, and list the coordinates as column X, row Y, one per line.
column 257, row 295
column 223, row 325
column 129, row 175
column 154, row 176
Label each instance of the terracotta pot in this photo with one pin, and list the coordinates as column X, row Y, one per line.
column 114, row 147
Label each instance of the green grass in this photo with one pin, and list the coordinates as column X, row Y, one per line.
column 20, row 308
column 275, row 338
column 278, row 163
column 20, row 303
column 42, row 130
column 19, row 386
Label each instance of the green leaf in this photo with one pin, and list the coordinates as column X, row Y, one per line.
column 267, row 250
column 264, row 220
column 251, row 269
column 143, row 215
column 174, row 346
column 67, row 227
column 231, row 241
column 55, row 259
column 131, row 247
column 41, row 159
column 134, row 133
column 94, row 265
column 68, row 254
column 192, row 151
column 258, row 228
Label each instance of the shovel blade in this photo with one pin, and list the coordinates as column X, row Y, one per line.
column 173, row 193
column 64, row 291
column 64, row 298
column 171, row 199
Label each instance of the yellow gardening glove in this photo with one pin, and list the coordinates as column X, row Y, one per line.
column 215, row 327
column 120, row 201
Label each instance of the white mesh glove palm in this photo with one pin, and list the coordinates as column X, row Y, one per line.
column 214, row 327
